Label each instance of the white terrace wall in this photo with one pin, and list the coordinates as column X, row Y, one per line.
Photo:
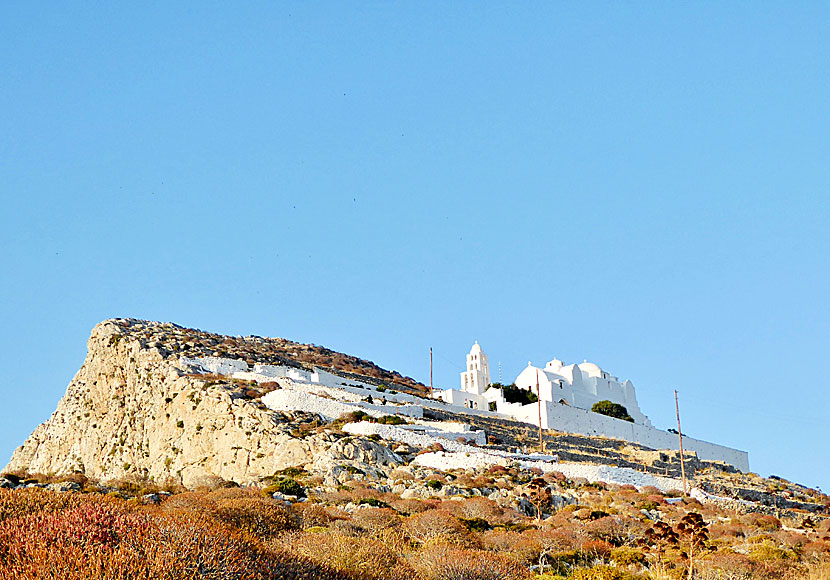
column 216, row 365
column 574, row 420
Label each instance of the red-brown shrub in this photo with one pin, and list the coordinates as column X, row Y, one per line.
column 360, row 557
column 442, row 563
column 435, row 525
column 377, row 520
column 107, row 540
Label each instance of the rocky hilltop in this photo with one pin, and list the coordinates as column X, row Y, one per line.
column 131, row 410
column 144, row 407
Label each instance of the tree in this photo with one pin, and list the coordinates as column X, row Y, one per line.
column 693, row 529
column 513, row 394
column 610, row 409
column 538, row 493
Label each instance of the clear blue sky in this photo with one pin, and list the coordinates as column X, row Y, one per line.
column 641, row 185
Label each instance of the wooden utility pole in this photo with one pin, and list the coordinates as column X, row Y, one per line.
column 430, row 370
column 539, row 406
column 680, row 437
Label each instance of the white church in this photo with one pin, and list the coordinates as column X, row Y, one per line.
column 575, row 385
column 567, row 393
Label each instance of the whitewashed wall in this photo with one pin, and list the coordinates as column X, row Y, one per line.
column 574, row 420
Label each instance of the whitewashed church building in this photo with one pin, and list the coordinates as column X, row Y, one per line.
column 567, row 393
column 580, row 385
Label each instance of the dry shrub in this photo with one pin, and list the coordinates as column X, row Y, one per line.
column 22, row 502
column 445, row 563
column 726, row 530
column 360, row 557
column 817, row 571
column 616, row 531
column 486, row 509
column 436, row 525
column 347, row 528
column 413, row 506
column 500, row 540
column 556, row 476
column 597, row 549
column 340, row 496
column 259, row 516
column 626, row 556
column 816, row 550
column 244, row 509
column 377, row 520
column 310, row 515
column 608, row 529
column 106, row 540
column 398, row 474
column 730, row 565
column 602, row 573
column 792, row 540
column 190, row 502
column 767, row 551
column 768, row 522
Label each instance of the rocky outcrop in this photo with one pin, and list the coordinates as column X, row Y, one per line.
column 131, row 411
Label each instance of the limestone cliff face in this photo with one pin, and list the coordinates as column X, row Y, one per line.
column 131, row 411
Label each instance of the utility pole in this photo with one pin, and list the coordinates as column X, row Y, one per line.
column 539, row 406
column 680, row 437
column 430, row 370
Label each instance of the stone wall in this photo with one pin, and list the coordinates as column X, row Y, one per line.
column 575, row 420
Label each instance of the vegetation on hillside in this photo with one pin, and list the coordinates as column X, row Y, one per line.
column 365, row 532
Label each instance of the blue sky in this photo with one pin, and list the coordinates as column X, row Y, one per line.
column 641, row 185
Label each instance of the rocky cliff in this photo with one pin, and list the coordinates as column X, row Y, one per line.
column 131, row 411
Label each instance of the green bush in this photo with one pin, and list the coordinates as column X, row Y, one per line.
column 391, row 420
column 373, row 502
column 610, row 409
column 513, row 394
column 287, row 486
column 476, row 524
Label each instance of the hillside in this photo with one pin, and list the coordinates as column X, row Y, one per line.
column 359, row 477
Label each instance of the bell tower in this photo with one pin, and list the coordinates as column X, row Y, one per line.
column 476, row 378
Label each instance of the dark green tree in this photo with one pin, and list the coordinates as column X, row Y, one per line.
column 612, row 410
column 513, row 394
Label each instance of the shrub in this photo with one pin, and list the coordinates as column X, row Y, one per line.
column 476, row 524
column 372, row 501
column 453, row 564
column 23, row 502
column 259, row 516
column 286, row 486
column 606, row 407
column 391, row 420
column 626, row 556
column 513, row 394
column 377, row 520
column 359, row 557
column 435, row 525
column 309, row 515
column 601, row 573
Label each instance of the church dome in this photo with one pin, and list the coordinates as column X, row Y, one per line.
column 590, row 369
column 476, row 348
